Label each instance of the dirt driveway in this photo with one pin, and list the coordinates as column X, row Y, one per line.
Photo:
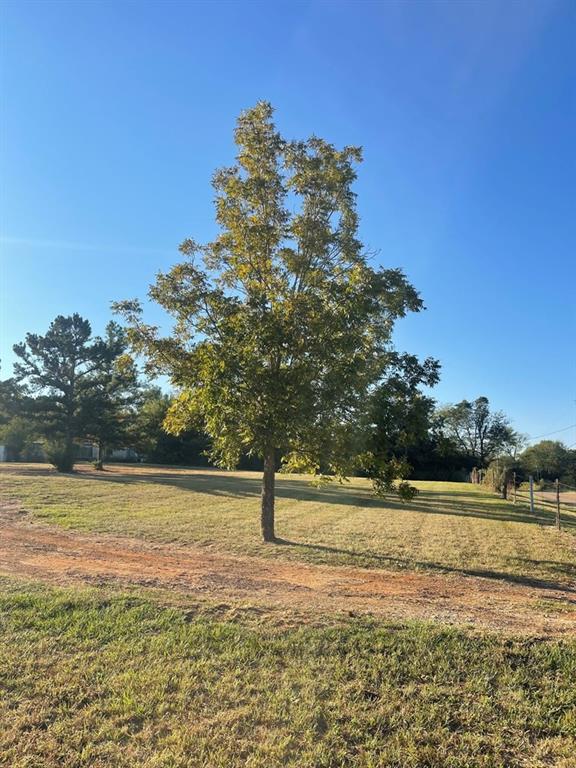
column 32, row 549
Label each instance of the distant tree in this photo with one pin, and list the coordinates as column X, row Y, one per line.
column 548, row 460
column 282, row 324
column 17, row 432
column 17, row 435
column 158, row 446
column 111, row 394
column 477, row 431
column 400, row 420
column 57, row 367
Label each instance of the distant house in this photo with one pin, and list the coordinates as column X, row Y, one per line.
column 87, row 450
column 84, row 450
column 122, row 454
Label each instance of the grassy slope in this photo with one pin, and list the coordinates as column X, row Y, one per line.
column 91, row 678
column 450, row 526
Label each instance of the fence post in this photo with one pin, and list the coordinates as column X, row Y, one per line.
column 557, row 504
column 531, row 494
column 514, row 485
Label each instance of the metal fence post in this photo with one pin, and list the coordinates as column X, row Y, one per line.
column 557, row 504
column 531, row 494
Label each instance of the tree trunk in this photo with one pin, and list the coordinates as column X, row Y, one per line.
column 67, row 463
column 505, row 482
column 100, row 460
column 267, row 510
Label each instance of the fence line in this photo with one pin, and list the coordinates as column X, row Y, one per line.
column 537, row 503
column 525, row 496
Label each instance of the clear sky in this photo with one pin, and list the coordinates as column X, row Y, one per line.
column 115, row 114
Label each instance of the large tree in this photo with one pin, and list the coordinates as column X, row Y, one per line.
column 480, row 433
column 57, row 367
column 282, row 324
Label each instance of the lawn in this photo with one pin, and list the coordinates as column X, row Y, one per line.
column 102, row 679
column 454, row 527
column 130, row 677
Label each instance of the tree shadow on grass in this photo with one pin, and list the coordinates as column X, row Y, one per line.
column 216, row 483
column 476, row 494
column 563, row 569
column 465, row 504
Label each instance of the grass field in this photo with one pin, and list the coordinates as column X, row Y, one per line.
column 131, row 677
column 454, row 527
column 104, row 680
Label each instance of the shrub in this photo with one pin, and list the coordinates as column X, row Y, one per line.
column 60, row 455
column 388, row 476
column 499, row 475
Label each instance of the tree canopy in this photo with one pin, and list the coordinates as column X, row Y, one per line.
column 477, row 431
column 400, row 420
column 282, row 323
column 549, row 460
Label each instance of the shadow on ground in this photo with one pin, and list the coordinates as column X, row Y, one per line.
column 562, row 569
column 459, row 503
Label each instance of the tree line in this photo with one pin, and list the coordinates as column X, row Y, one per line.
column 70, row 386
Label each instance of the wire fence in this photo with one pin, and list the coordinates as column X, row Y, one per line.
column 557, row 501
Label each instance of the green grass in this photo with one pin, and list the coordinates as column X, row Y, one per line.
column 450, row 526
column 95, row 678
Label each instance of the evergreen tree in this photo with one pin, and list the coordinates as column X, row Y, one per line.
column 57, row 368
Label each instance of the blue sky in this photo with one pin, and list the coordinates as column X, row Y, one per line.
column 115, row 114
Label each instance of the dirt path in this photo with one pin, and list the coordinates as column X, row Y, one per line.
column 31, row 549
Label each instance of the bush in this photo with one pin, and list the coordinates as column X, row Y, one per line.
column 60, row 455
column 499, row 475
column 388, row 476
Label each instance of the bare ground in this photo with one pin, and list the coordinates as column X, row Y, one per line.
column 34, row 550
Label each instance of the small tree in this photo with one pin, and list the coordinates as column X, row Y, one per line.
column 499, row 475
column 17, row 430
column 282, row 326
column 13, row 398
column 17, row 435
column 56, row 367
